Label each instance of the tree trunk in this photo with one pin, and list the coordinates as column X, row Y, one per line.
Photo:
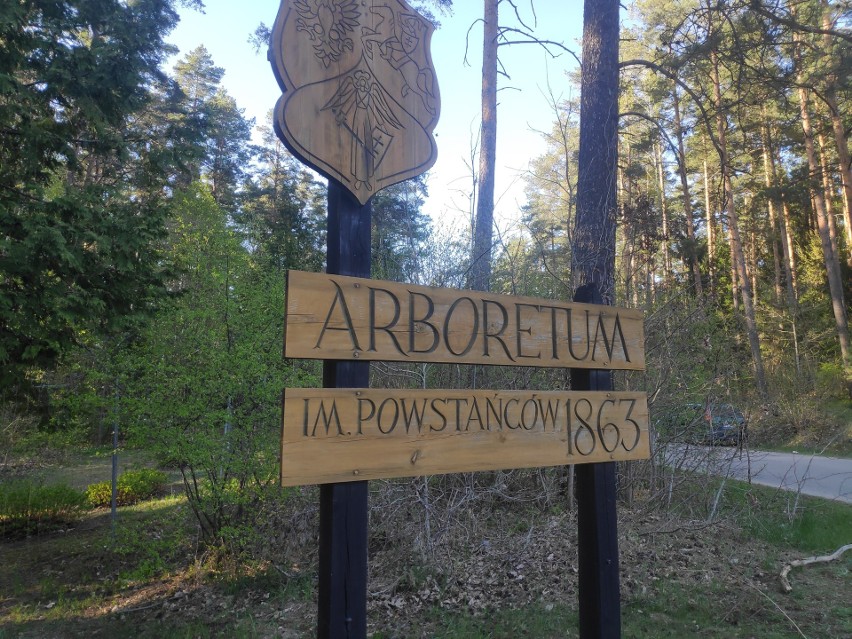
column 711, row 231
column 832, row 266
column 480, row 262
column 845, row 166
column 752, row 259
column 664, row 209
column 593, row 257
column 774, row 222
column 737, row 256
column 791, row 257
column 779, row 224
column 694, row 267
column 626, row 249
column 830, row 97
column 825, row 174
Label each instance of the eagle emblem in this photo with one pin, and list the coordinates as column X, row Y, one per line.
column 328, row 24
column 360, row 99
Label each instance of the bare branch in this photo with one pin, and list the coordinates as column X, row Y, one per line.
column 467, row 38
column 656, row 123
column 531, row 39
column 671, row 75
column 785, row 582
column 518, row 13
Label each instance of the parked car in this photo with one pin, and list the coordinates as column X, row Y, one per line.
column 724, row 425
column 710, row 424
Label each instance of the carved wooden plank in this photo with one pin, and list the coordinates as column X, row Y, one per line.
column 338, row 435
column 361, row 98
column 335, row 317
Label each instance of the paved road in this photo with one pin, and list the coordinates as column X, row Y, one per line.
column 827, row 477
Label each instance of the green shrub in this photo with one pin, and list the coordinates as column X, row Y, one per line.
column 831, row 380
column 27, row 508
column 132, row 486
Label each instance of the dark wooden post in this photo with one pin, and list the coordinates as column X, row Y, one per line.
column 597, row 523
column 342, row 600
column 593, row 266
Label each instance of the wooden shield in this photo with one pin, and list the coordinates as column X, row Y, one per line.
column 360, row 97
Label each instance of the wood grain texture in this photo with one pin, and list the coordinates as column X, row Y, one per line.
column 360, row 97
column 339, row 435
column 335, row 317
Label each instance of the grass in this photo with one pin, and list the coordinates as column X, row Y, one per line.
column 715, row 610
column 55, row 577
column 806, row 524
column 551, row 621
column 79, row 468
column 28, row 508
column 840, row 410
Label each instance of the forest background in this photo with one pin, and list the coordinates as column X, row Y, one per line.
column 146, row 233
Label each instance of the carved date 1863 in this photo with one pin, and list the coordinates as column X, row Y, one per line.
column 346, row 434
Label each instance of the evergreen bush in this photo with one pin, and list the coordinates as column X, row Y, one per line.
column 132, row 486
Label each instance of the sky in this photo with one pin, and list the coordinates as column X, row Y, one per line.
column 524, row 109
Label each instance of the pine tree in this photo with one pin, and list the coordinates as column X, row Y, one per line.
column 282, row 213
column 219, row 129
column 82, row 204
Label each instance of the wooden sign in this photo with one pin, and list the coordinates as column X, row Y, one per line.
column 360, row 95
column 346, row 318
column 339, row 435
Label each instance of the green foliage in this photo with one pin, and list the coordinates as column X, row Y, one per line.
column 219, row 132
column 282, row 215
column 831, row 380
column 131, row 487
column 82, row 174
column 538, row 262
column 28, row 508
column 15, row 427
column 399, row 230
column 201, row 386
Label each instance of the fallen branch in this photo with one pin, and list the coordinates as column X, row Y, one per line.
column 785, row 583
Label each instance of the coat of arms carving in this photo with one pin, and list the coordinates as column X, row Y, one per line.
column 360, row 98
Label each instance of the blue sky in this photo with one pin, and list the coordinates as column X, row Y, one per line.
column 523, row 110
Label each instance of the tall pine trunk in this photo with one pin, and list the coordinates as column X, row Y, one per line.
column 694, row 267
column 711, row 231
column 832, row 266
column 664, row 210
column 829, row 95
column 737, row 255
column 774, row 218
column 593, row 271
column 779, row 223
column 593, row 255
column 845, row 165
column 480, row 267
column 825, row 175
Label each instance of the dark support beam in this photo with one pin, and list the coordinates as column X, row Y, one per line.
column 597, row 523
column 593, row 272
column 342, row 602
